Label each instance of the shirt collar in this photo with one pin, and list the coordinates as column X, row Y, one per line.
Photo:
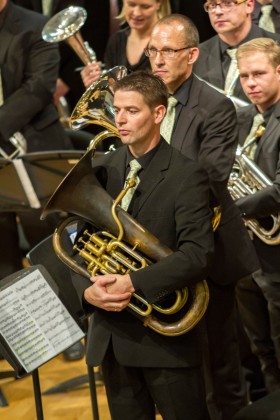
column 183, row 92
column 253, row 33
column 145, row 159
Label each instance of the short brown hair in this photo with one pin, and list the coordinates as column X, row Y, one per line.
column 267, row 46
column 152, row 88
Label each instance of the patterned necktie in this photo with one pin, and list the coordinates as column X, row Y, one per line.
column 265, row 21
column 252, row 144
column 166, row 127
column 232, row 74
column 134, row 169
column 47, row 7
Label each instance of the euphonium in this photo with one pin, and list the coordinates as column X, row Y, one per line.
column 247, row 178
column 122, row 245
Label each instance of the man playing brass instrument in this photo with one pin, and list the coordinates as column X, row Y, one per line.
column 142, row 368
column 259, row 295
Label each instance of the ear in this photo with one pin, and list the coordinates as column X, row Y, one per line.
column 193, row 55
column 250, row 4
column 159, row 113
column 159, row 4
column 278, row 72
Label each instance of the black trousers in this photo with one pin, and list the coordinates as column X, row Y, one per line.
column 132, row 392
column 258, row 298
column 225, row 382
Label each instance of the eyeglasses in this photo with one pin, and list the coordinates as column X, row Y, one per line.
column 210, row 7
column 168, row 53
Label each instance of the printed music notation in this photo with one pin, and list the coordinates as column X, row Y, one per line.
column 34, row 322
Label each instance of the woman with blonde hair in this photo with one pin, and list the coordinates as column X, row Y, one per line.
column 126, row 46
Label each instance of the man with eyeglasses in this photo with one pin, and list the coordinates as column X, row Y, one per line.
column 232, row 20
column 204, row 129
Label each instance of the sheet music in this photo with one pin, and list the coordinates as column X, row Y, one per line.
column 34, row 322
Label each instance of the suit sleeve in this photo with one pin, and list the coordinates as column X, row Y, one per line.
column 28, row 77
column 189, row 262
column 218, row 136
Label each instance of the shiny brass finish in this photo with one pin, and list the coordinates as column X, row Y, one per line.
column 121, row 246
column 247, row 178
column 96, row 104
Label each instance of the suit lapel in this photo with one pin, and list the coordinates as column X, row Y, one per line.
column 273, row 126
column 7, row 33
column 116, row 172
column 183, row 125
column 153, row 176
column 214, row 67
column 245, row 118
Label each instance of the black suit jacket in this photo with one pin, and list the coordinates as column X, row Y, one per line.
column 29, row 68
column 266, row 201
column 267, row 157
column 181, row 219
column 209, row 64
column 206, row 131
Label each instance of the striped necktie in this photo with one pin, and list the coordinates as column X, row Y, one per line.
column 265, row 21
column 167, row 124
column 251, row 139
column 232, row 74
column 134, row 169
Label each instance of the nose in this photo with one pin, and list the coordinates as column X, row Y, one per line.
column 251, row 81
column 220, row 10
column 158, row 59
column 120, row 117
column 136, row 11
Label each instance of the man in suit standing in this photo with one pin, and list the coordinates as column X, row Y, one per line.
column 259, row 294
column 141, row 367
column 204, row 129
column 232, row 20
column 28, row 73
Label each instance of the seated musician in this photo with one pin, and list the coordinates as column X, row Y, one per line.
column 259, row 294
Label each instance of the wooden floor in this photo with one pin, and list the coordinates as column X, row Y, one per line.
column 70, row 405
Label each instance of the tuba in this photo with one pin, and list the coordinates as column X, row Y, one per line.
column 247, row 178
column 121, row 245
column 116, row 242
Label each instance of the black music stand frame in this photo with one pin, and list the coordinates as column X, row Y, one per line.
column 59, row 273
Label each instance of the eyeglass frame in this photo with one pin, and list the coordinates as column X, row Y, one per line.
column 161, row 52
column 231, row 4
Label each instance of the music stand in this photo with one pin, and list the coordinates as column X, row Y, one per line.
column 27, row 182
column 35, row 324
column 44, row 253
